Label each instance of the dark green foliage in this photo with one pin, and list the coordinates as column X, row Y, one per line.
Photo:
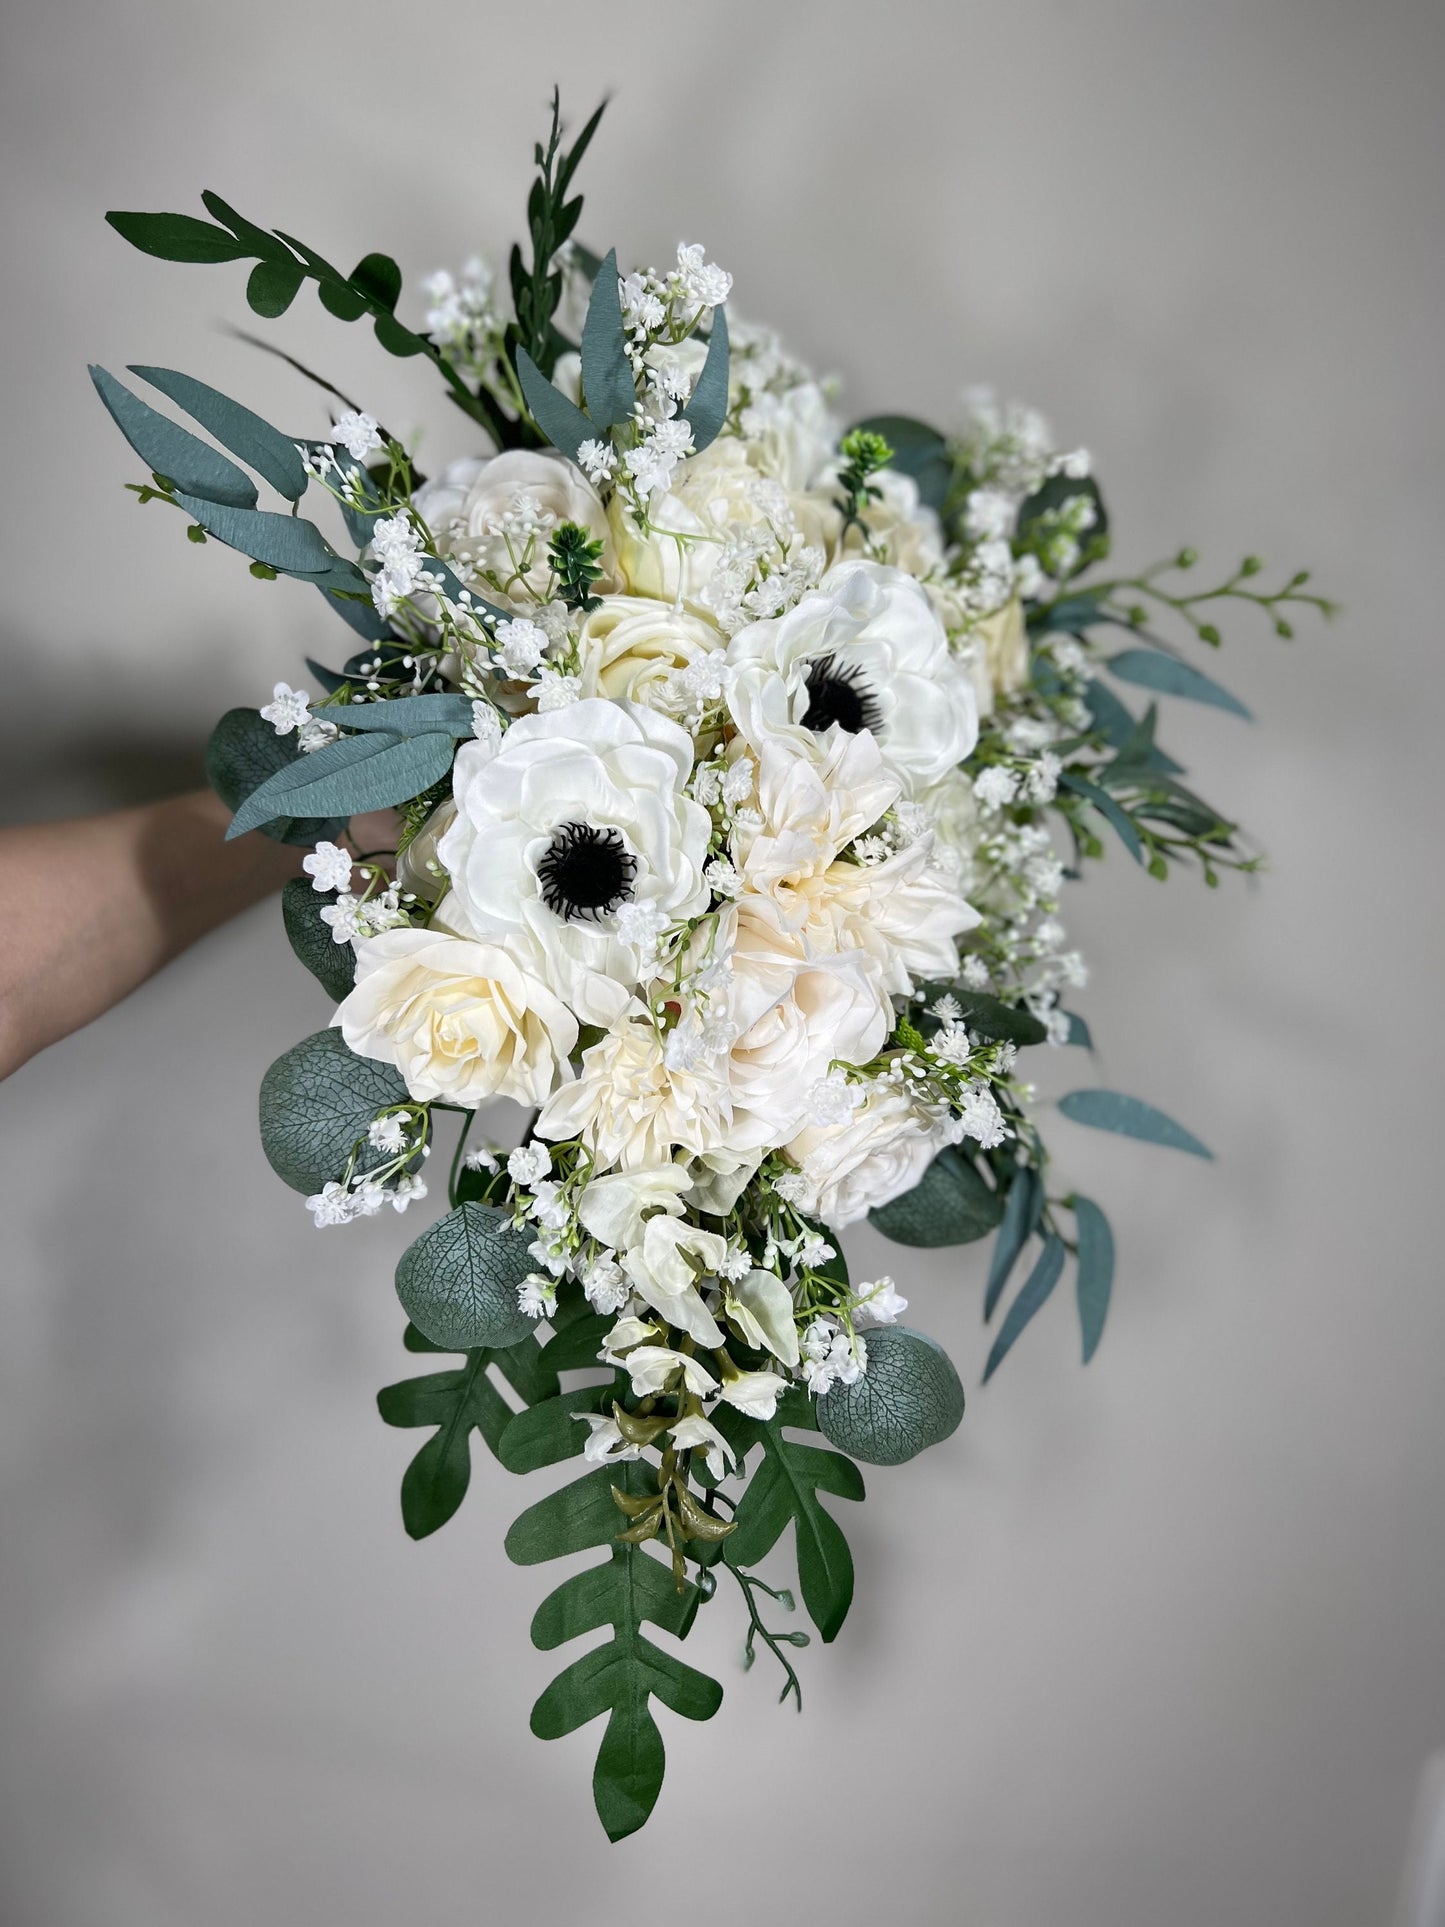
column 456, row 1403
column 1096, row 1272
column 369, row 771
column 458, row 1282
column 243, row 752
column 992, row 1018
column 783, row 1491
column 1130, row 1117
column 332, row 964
column 620, row 1677
column 951, row 1205
column 1108, row 808
column 551, row 220
column 1036, row 1290
column 317, row 1101
column 909, row 1398
column 178, row 237
column 576, row 558
column 919, row 451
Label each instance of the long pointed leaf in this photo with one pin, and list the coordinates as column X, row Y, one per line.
column 606, row 372
column 707, row 407
column 348, row 777
column 1013, row 1234
column 264, row 448
column 285, row 543
column 1036, row 1289
column 560, row 420
column 1150, row 669
column 170, row 450
column 1096, row 1272
column 1130, row 1117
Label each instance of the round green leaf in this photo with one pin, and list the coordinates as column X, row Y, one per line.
column 332, row 964
column 458, row 1282
column 909, row 1398
column 317, row 1099
column 950, row 1205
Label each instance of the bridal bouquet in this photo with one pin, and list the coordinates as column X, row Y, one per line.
column 738, row 766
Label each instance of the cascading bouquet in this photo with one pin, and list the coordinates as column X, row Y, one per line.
column 738, row 764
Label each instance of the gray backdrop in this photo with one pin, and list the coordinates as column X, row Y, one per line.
column 1163, row 1641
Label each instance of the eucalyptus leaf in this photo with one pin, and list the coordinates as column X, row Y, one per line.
column 950, row 1205
column 1108, row 809
column 349, row 776
column 317, row 1101
column 1037, row 1287
column 707, row 406
column 167, row 449
column 244, row 750
column 458, row 1282
column 1095, row 1278
column 271, row 454
column 1013, row 1235
column 560, row 420
column 1130, row 1117
column 607, row 380
column 1079, row 1032
column 285, row 543
column 414, row 716
column 909, row 1398
column 332, row 964
column 1150, row 669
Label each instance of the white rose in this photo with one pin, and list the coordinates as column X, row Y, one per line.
column 615, row 1208
column 630, row 647
column 462, row 1021
column 865, row 651
column 793, row 436
column 879, row 1153
column 479, row 509
column 796, row 1014
column 674, row 559
column 996, row 652
column 631, row 1111
column 578, row 813
column 665, row 1269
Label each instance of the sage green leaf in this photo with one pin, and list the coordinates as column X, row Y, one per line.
column 1151, row 669
column 349, row 776
column 415, row 716
column 554, row 1430
column 1095, row 1278
column 244, row 750
column 1071, row 614
column 621, row 1676
column 167, row 449
column 274, row 456
column 317, row 1101
column 707, row 407
column 919, row 451
column 607, row 380
column 560, row 420
column 1079, row 1032
column 285, row 543
column 458, row 1282
column 273, row 285
column 950, row 1205
column 332, row 964
column 784, row 1490
column 1036, row 1289
column 1107, row 808
column 1013, row 1233
column 1130, row 1117
column 909, row 1398
column 379, row 278
column 457, row 1403
column 177, row 237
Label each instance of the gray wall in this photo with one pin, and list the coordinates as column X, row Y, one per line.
column 1162, row 1641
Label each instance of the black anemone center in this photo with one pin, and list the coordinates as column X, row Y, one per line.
column 585, row 872
column 837, row 693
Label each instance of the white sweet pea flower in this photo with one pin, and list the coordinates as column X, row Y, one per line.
column 575, row 814
column 754, row 1393
column 701, row 1435
column 760, row 1309
column 625, row 1334
column 665, row 1268
column 605, row 1444
column 651, row 1366
column 615, row 1208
